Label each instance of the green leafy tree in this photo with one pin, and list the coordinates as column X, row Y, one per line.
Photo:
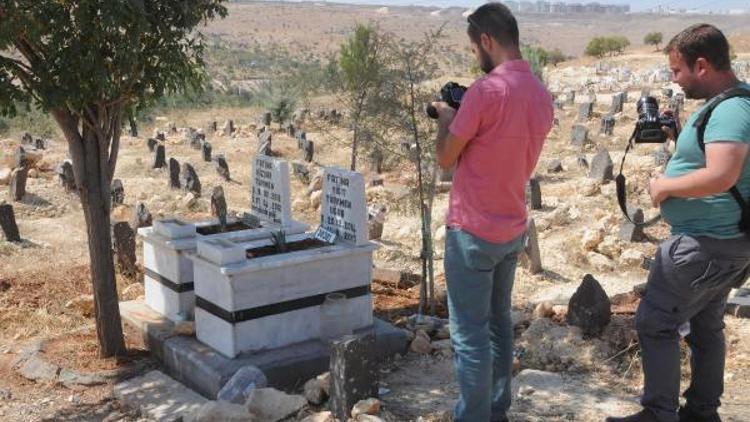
column 361, row 60
column 602, row 46
column 90, row 64
column 280, row 97
column 653, row 38
column 537, row 57
column 596, row 47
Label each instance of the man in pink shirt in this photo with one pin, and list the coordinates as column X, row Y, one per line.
column 494, row 140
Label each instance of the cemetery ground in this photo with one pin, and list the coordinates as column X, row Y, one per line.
column 562, row 374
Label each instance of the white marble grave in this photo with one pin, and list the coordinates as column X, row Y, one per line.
column 265, row 302
column 169, row 273
column 269, row 193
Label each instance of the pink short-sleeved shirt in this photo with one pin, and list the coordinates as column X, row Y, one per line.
column 505, row 116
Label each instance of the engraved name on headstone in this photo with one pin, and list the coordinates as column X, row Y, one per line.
column 269, row 195
column 344, row 207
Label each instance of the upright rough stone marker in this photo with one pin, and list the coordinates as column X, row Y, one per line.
column 8, row 223
column 589, row 307
column 354, row 375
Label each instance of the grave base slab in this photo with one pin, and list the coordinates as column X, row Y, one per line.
column 205, row 370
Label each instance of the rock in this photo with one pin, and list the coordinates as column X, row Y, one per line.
column 320, row 417
column 189, row 201
column 18, row 183
column 184, row 328
column 65, row 175
column 376, row 221
column 174, row 174
column 151, row 143
column 314, row 392
column 544, row 310
column 36, row 368
column 72, row 378
column 560, row 310
column 630, row 232
column 631, row 257
column 242, row 383
column 610, row 247
column 5, row 176
column 219, row 205
column 316, row 183
column 315, row 199
column 158, row 397
column 220, row 163
column 83, row 304
column 534, row 194
column 588, row 187
column 218, row 411
column 8, row 223
column 159, row 157
column 270, row 404
column 534, row 381
column 421, row 343
column 591, row 239
column 599, row 261
column 589, row 308
column 325, row 382
column 369, row 406
column 554, row 166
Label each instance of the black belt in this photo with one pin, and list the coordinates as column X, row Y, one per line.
column 275, row 308
column 171, row 285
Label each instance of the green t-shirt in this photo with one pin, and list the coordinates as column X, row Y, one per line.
column 714, row 216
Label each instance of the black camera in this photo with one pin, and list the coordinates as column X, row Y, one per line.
column 451, row 93
column 650, row 122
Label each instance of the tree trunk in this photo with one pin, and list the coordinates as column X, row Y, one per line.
column 354, row 147
column 93, row 166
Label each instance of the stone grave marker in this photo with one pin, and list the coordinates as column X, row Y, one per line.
column 354, row 375
column 618, row 101
column 376, row 161
column 571, row 97
column 301, row 171
column 8, row 223
column 159, row 157
column 151, row 143
column 267, row 118
column 584, row 111
column 629, row 232
column 27, row 139
column 376, row 221
column 123, row 244
column 219, row 205
column 190, row 180
column 667, row 92
column 160, row 135
column 206, row 151
column 20, row 159
column 117, row 192
column 531, row 257
column 65, row 175
column 40, row 143
column 141, row 217
column 228, row 128
column 534, row 194
column 554, row 166
column 579, row 135
column 212, row 126
column 608, row 125
column 309, row 150
column 18, row 183
column 582, row 162
column 602, row 166
column 220, row 163
column 344, row 205
column 269, row 195
column 174, row 174
column 264, row 143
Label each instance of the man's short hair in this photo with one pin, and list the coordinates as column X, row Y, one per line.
column 495, row 20
column 702, row 40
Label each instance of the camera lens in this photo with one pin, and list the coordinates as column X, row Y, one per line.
column 648, row 108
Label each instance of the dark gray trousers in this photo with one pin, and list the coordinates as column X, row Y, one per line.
column 689, row 282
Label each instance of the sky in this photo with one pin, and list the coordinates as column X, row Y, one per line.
column 636, row 5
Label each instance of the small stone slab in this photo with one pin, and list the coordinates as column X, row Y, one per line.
column 17, row 188
column 629, row 232
column 123, row 242
column 36, row 368
column 152, row 143
column 584, row 111
column 607, row 125
column 158, row 397
column 534, row 194
column 554, row 166
column 618, row 101
column 219, row 205
column 308, row 151
column 220, row 163
column 65, row 175
column 228, row 128
column 354, row 375
column 141, row 217
column 264, row 142
column 532, row 257
column 206, row 151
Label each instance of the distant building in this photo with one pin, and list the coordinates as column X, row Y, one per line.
column 558, row 7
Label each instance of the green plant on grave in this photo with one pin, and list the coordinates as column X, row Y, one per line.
column 278, row 238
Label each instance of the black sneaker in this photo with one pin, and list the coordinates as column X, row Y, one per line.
column 644, row 415
column 686, row 415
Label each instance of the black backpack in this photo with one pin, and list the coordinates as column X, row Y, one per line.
column 700, row 125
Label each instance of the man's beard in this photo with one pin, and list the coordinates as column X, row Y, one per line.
column 485, row 61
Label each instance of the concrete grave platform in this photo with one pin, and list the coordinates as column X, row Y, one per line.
column 203, row 369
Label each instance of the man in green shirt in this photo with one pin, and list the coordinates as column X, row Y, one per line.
column 708, row 253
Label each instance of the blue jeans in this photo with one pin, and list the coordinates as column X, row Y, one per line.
column 480, row 275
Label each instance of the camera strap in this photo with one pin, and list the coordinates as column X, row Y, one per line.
column 621, row 190
column 700, row 124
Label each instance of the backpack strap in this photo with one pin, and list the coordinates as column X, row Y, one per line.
column 700, row 124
